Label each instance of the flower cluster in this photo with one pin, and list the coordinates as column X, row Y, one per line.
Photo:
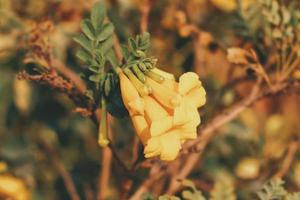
column 164, row 112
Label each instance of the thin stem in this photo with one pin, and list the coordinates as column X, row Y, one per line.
column 287, row 162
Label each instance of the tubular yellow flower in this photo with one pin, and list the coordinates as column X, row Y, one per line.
column 132, row 101
column 157, row 116
column 166, row 117
column 167, row 146
column 141, row 127
column 164, row 96
column 135, row 106
column 193, row 95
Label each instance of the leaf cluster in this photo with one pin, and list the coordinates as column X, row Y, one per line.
column 96, row 41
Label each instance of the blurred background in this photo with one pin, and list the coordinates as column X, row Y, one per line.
column 44, row 143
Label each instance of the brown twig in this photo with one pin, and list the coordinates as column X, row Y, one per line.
column 67, row 179
column 60, row 168
column 287, row 162
column 105, row 173
column 145, row 10
column 69, row 74
column 156, row 173
column 195, row 148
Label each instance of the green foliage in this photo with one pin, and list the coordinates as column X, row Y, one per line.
column 97, row 43
column 294, row 196
column 223, row 190
column 272, row 191
column 168, row 197
column 135, row 56
column 191, row 192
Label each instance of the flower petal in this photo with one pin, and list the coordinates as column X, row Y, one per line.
column 128, row 91
column 196, row 97
column 180, row 115
column 161, row 126
column 164, row 74
column 153, row 147
column 136, row 107
column 171, row 145
column 164, row 95
column 188, row 81
column 188, row 131
column 141, row 127
column 153, row 110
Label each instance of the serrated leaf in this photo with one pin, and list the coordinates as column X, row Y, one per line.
column 87, row 28
column 272, row 190
column 97, row 15
column 106, row 45
column 84, row 56
column 84, row 42
column 106, row 31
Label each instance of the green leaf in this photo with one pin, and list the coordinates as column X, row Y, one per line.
column 132, row 45
column 106, row 45
column 84, row 42
column 95, row 78
column 145, row 38
column 97, row 15
column 89, row 94
column 223, row 190
column 106, row 32
column 272, row 191
column 143, row 41
column 95, row 69
column 84, row 56
column 191, row 193
column 294, row 196
column 189, row 184
column 125, row 52
column 112, row 58
column 87, row 28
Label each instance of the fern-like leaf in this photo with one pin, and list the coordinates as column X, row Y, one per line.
column 272, row 191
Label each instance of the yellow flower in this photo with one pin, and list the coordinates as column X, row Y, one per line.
column 13, row 188
column 166, row 117
column 167, row 146
column 132, row 101
column 135, row 106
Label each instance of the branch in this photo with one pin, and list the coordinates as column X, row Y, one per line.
column 105, row 173
column 287, row 162
column 69, row 74
column 145, row 10
column 207, row 132
column 60, row 168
